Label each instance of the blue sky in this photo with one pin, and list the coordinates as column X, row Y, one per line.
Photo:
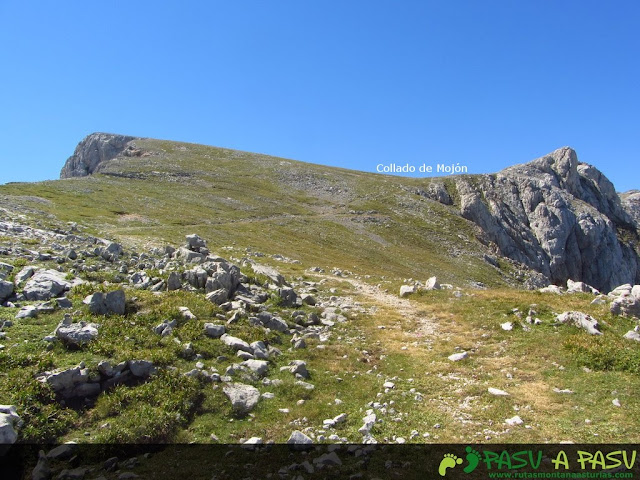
column 346, row 83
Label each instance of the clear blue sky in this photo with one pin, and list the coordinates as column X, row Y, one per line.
column 349, row 83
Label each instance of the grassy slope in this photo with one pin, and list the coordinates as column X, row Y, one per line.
column 257, row 202
column 248, row 200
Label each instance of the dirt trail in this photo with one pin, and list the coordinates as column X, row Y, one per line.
column 380, row 298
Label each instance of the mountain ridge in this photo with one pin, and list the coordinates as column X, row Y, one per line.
column 556, row 215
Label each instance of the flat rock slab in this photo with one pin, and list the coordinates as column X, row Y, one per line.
column 236, row 343
column 77, row 334
column 456, row 357
column 269, row 272
column 497, row 392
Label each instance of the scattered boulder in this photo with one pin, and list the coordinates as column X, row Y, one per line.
column 288, row 297
column 406, row 290
column 186, row 313
column 298, row 367
column 23, row 275
column 105, row 368
column 78, row 334
column 236, row 343
column 219, row 296
column 6, row 289
column 222, row 274
column 196, row 277
column 65, row 382
column 369, row 422
column 624, row 289
column 165, row 328
column 260, row 350
column 269, row 272
column 432, row 284
column 62, row 452
column 632, row 335
column 328, row 460
column 580, row 320
column 513, row 421
column 111, row 252
column 259, row 367
column 189, row 256
column 140, row 280
column 41, row 471
column 308, row 299
column 45, row 284
column 299, row 440
column 551, row 289
column 243, row 398
column 174, row 282
column 10, row 421
column 28, row 311
column 213, row 330
column 195, row 243
column 112, row 303
column 456, row 357
column 497, row 392
column 5, row 270
column 267, row 320
column 580, row 287
column 141, row 368
column 626, row 300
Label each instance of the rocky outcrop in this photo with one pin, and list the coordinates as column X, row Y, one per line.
column 94, row 150
column 557, row 216
column 46, row 284
column 631, row 203
column 80, row 381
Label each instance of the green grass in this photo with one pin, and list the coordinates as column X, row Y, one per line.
column 243, row 203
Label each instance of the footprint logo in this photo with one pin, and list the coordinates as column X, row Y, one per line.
column 449, row 461
column 473, row 457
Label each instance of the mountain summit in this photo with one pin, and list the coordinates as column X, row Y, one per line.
column 92, row 152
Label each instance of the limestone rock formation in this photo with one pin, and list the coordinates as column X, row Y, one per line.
column 557, row 216
column 631, row 203
column 92, row 151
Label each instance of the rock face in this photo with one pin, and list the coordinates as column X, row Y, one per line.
column 557, row 216
column 92, row 152
column 631, row 203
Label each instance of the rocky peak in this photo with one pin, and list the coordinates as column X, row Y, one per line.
column 558, row 216
column 559, row 169
column 92, row 151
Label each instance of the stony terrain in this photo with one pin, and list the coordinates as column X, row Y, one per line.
column 315, row 318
